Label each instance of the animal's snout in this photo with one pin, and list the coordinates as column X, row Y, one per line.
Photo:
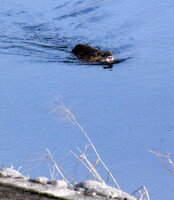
column 110, row 59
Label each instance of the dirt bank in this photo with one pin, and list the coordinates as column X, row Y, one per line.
column 12, row 193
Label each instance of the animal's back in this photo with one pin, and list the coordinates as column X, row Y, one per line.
column 84, row 51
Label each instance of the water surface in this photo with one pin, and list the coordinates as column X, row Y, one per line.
column 126, row 111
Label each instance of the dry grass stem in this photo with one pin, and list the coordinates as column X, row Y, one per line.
column 143, row 193
column 58, row 168
column 52, row 171
column 81, row 159
column 161, row 158
column 73, row 120
column 41, row 160
column 91, row 166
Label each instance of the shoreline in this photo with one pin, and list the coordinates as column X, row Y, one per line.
column 15, row 186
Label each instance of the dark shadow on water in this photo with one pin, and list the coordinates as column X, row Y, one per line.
column 110, row 66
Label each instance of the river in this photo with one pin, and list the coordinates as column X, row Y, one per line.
column 126, row 111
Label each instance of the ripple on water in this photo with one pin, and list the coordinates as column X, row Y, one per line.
column 53, row 39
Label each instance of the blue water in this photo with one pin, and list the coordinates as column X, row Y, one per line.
column 126, row 110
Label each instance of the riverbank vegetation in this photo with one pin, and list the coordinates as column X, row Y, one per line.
column 82, row 157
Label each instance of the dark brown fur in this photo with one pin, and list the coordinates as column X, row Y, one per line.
column 88, row 53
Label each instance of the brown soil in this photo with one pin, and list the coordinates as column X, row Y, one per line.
column 12, row 193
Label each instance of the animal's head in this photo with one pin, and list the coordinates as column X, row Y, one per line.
column 108, row 57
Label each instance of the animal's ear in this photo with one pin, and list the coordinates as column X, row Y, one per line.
column 108, row 53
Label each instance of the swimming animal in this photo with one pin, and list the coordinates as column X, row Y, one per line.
column 88, row 53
